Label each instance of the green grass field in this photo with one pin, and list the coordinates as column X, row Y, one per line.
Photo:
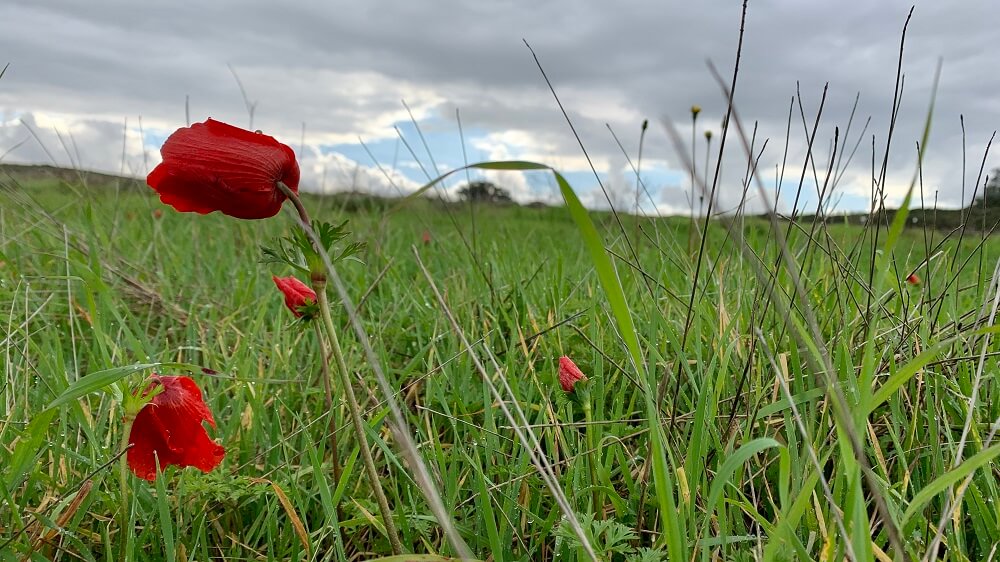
column 726, row 441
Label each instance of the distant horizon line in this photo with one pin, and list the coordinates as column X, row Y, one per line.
column 57, row 170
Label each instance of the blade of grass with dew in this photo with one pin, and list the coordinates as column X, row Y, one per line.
column 326, row 500
column 783, row 404
column 98, row 381
column 28, row 447
column 293, row 516
column 851, row 476
column 788, row 523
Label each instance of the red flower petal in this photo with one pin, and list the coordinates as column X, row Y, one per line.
column 170, row 428
column 297, row 294
column 213, row 166
column 569, row 374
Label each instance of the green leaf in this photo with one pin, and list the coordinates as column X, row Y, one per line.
column 297, row 251
column 97, row 381
column 943, row 482
column 606, row 272
column 31, row 440
column 417, row 558
column 512, row 165
column 729, row 467
column 509, row 165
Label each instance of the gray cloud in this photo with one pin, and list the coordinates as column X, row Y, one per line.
column 343, row 70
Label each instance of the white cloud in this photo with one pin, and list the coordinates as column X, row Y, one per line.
column 119, row 148
column 73, row 142
column 337, row 107
column 334, row 172
column 515, row 144
column 342, row 71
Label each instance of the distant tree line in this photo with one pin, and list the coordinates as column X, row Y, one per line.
column 482, row 191
column 991, row 193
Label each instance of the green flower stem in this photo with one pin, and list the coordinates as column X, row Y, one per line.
column 124, row 491
column 328, row 400
column 319, row 285
column 359, row 428
column 592, row 457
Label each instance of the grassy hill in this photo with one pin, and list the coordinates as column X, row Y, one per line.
column 41, row 175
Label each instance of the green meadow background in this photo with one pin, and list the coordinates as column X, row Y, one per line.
column 96, row 274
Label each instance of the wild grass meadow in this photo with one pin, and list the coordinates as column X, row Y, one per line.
column 96, row 278
column 757, row 388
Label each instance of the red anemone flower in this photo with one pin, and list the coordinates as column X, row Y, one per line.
column 213, row 166
column 569, row 374
column 169, row 429
column 299, row 298
column 912, row 279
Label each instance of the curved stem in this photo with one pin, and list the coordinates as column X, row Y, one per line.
column 319, row 285
column 294, row 198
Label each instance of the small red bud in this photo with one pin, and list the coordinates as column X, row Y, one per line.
column 298, row 296
column 569, row 374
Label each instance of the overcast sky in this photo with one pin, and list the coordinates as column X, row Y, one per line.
column 325, row 76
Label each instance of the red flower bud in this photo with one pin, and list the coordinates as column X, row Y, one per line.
column 169, row 429
column 569, row 374
column 298, row 295
column 426, row 237
column 213, row 166
column 912, row 279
